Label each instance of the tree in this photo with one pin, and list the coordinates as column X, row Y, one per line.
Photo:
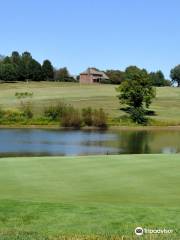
column 158, row 79
column 47, row 70
column 137, row 92
column 62, row 75
column 26, row 56
column 7, row 60
column 175, row 75
column 15, row 58
column 35, row 71
column 25, row 63
column 115, row 76
column 17, row 62
column 7, row 72
column 25, row 68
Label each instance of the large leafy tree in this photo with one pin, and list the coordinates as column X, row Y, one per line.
column 47, row 70
column 136, row 91
column 175, row 75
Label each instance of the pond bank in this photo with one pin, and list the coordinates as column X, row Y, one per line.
column 91, row 128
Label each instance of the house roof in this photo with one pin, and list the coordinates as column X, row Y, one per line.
column 93, row 71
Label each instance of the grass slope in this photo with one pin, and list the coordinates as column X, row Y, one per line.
column 96, row 195
column 166, row 105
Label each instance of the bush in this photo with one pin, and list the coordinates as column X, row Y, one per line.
column 87, row 114
column 27, row 111
column 55, row 112
column 99, row 118
column 20, row 95
column 71, row 118
column 12, row 116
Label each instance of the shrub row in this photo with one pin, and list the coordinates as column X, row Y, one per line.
column 66, row 115
column 72, row 117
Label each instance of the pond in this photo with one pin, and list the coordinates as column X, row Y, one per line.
column 38, row 142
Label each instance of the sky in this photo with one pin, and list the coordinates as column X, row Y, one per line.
column 107, row 34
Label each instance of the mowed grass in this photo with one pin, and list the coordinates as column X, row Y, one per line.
column 89, row 196
column 166, row 105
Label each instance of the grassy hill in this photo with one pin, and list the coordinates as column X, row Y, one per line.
column 102, row 195
column 166, row 105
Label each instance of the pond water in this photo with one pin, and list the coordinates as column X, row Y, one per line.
column 36, row 142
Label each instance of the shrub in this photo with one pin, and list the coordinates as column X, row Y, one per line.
column 20, row 95
column 12, row 116
column 71, row 118
column 27, row 111
column 55, row 112
column 87, row 114
column 99, row 118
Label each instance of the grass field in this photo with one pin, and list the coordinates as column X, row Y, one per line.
column 104, row 195
column 166, row 105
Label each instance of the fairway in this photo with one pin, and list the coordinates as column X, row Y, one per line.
column 166, row 105
column 89, row 195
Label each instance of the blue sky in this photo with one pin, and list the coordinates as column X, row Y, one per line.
column 107, row 34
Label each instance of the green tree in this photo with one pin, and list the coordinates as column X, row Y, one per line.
column 7, row 60
column 158, row 79
column 175, row 75
column 35, row 71
column 25, row 65
column 47, row 70
column 115, row 76
column 16, row 61
column 7, row 72
column 137, row 92
column 15, row 58
column 62, row 75
column 26, row 56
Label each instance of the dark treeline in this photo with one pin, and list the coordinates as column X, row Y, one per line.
column 157, row 78
column 23, row 67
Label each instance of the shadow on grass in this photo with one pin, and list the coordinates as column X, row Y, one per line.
column 147, row 112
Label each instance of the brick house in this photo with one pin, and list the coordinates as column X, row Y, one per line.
column 92, row 75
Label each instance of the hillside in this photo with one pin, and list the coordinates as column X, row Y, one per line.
column 166, row 105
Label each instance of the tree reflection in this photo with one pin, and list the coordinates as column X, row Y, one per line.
column 135, row 141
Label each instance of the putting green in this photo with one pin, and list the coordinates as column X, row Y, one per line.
column 90, row 195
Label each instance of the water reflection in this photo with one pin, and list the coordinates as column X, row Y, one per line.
column 34, row 142
column 136, row 141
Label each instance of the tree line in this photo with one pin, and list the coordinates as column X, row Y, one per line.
column 156, row 78
column 23, row 67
